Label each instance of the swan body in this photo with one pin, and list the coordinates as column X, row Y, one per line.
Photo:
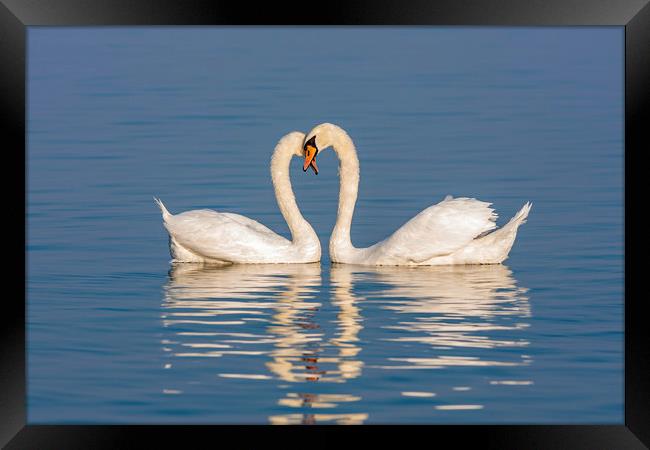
column 454, row 231
column 226, row 238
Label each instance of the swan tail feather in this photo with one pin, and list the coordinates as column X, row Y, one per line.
column 508, row 232
column 521, row 217
column 495, row 247
column 513, row 224
column 165, row 213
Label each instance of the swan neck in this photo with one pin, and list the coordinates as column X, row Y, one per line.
column 340, row 240
column 301, row 230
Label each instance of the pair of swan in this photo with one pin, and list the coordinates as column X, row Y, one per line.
column 454, row 231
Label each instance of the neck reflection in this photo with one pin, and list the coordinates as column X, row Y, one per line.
column 339, row 364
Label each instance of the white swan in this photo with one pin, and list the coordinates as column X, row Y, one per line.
column 220, row 237
column 452, row 232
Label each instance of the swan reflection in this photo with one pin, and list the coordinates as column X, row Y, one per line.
column 276, row 316
column 269, row 311
column 206, row 306
column 449, row 308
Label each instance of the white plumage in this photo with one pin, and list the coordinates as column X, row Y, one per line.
column 220, row 237
column 454, row 231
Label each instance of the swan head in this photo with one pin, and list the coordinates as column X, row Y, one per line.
column 319, row 138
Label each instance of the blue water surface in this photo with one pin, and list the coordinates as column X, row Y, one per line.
column 116, row 334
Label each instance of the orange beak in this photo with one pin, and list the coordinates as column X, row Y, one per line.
column 310, row 159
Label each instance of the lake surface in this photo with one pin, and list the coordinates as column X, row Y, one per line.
column 116, row 334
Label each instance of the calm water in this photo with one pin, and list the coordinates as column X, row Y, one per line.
column 118, row 335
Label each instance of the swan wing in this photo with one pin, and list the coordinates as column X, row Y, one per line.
column 224, row 236
column 440, row 230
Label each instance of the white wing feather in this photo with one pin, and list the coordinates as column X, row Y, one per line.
column 439, row 230
column 223, row 236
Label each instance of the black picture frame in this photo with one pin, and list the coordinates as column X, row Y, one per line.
column 16, row 15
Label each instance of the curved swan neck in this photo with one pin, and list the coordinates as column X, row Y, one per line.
column 348, row 190
column 301, row 230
